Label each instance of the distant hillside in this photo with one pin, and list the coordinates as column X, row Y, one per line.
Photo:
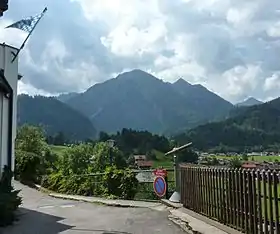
column 140, row 101
column 249, row 102
column 66, row 96
column 55, row 116
column 202, row 100
column 258, row 125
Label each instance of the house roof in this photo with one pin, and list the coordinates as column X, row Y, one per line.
column 250, row 164
column 145, row 163
column 136, row 157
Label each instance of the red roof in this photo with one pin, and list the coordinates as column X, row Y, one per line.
column 250, row 164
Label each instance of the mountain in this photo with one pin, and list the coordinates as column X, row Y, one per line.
column 66, row 96
column 199, row 98
column 255, row 126
column 140, row 101
column 249, row 102
column 54, row 116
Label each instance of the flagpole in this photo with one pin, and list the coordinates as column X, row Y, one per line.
column 29, row 34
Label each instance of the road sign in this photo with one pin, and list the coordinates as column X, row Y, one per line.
column 160, row 186
column 160, row 172
column 145, row 176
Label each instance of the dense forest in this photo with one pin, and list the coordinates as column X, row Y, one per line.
column 54, row 116
column 252, row 128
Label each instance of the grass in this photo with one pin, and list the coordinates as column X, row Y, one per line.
column 58, row 149
column 270, row 158
column 162, row 160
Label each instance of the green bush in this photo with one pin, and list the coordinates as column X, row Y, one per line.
column 9, row 199
column 26, row 166
column 73, row 184
column 32, row 155
column 120, row 183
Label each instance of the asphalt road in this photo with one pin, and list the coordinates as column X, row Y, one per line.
column 41, row 214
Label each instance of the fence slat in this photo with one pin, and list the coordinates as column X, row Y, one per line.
column 264, row 177
column 276, row 203
column 270, row 209
column 259, row 205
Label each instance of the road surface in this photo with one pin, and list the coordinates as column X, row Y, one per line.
column 41, row 214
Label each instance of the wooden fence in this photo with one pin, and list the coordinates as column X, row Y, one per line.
column 247, row 200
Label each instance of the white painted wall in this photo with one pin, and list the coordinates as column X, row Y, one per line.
column 11, row 74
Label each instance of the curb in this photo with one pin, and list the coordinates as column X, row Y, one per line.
column 171, row 204
column 184, row 225
column 107, row 202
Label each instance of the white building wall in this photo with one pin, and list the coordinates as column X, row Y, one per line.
column 11, row 74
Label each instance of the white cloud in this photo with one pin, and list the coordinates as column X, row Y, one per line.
column 228, row 45
column 274, row 30
column 272, row 83
column 239, row 80
column 24, row 88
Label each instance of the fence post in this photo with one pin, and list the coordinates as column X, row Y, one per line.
column 166, row 181
column 276, row 203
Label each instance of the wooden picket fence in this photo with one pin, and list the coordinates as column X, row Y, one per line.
column 247, row 200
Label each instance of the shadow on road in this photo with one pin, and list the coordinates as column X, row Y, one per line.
column 33, row 222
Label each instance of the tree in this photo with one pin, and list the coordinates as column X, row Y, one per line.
column 59, row 139
column 31, row 139
column 88, row 158
column 245, row 157
column 187, row 156
column 102, row 154
column 131, row 160
column 235, row 162
column 31, row 148
column 77, row 160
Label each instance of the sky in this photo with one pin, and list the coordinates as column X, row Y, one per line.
column 232, row 47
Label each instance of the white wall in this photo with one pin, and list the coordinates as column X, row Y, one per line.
column 11, row 74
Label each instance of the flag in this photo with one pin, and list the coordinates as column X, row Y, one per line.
column 28, row 24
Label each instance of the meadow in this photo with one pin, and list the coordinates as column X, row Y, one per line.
column 161, row 159
column 270, row 158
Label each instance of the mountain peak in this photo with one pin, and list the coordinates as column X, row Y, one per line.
column 181, row 81
column 251, row 101
column 134, row 74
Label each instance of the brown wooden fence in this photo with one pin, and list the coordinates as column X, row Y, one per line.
column 248, row 200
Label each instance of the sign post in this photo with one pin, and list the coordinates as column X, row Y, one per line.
column 160, row 186
column 176, row 195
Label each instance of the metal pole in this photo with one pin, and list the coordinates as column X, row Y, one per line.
column 110, row 151
column 175, row 170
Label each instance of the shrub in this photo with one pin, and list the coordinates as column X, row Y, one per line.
column 9, row 199
column 26, row 166
column 120, row 183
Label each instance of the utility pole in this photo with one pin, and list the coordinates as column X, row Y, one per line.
column 176, row 197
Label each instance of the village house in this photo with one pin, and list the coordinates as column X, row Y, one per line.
column 8, row 99
column 141, row 162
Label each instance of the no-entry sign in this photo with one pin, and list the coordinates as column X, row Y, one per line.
column 160, row 186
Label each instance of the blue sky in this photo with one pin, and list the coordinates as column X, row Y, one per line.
column 232, row 47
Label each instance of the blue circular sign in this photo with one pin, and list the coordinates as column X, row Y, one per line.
column 160, row 186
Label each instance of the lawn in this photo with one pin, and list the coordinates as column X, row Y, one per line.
column 162, row 160
column 58, row 149
column 270, row 158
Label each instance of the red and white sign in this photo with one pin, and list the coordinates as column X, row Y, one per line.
column 160, row 172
